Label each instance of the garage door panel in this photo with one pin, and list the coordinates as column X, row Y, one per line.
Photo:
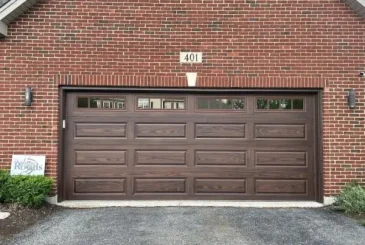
column 175, row 143
column 100, row 130
column 280, row 131
column 270, row 186
column 220, row 130
column 176, row 171
column 100, row 157
column 220, row 186
column 141, row 153
column 161, row 130
column 280, row 159
column 99, row 185
column 224, row 158
column 159, row 186
column 160, row 158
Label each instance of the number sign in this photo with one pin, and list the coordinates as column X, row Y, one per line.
column 191, row 57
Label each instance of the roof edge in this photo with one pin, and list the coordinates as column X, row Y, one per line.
column 12, row 10
column 357, row 5
column 3, row 30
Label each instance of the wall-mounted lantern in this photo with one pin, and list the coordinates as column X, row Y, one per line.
column 28, row 96
column 351, row 98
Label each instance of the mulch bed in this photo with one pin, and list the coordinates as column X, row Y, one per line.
column 21, row 218
column 359, row 217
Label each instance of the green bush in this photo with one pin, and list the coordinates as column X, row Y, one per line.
column 351, row 199
column 28, row 191
column 4, row 176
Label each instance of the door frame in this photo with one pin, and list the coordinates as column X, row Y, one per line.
column 64, row 90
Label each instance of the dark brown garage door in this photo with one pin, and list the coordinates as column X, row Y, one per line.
column 190, row 146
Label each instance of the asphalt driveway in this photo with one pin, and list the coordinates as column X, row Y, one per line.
column 194, row 226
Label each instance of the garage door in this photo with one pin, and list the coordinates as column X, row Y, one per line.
column 190, row 146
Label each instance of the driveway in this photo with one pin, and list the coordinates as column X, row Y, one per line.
column 194, row 226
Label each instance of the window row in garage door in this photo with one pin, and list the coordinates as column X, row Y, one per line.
column 190, row 146
column 216, row 103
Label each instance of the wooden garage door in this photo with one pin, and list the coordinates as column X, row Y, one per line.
column 190, row 146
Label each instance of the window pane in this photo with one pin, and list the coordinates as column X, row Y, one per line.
column 179, row 104
column 167, row 104
column 238, row 104
column 261, row 104
column 82, row 102
column 285, row 104
column 155, row 103
column 119, row 103
column 274, row 104
column 143, row 103
column 95, row 103
column 298, row 104
column 203, row 103
column 226, row 103
column 214, row 104
column 107, row 103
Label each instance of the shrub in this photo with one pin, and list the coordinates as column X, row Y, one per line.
column 351, row 199
column 28, row 191
column 4, row 176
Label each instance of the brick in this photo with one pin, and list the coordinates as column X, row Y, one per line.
column 245, row 44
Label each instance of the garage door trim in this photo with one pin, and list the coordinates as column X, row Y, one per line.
column 318, row 171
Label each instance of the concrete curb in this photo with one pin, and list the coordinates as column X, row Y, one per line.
column 145, row 204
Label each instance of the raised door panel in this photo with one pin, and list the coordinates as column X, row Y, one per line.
column 99, row 185
column 223, row 158
column 160, row 158
column 222, row 186
column 100, row 157
column 284, row 159
column 100, row 130
column 161, row 130
column 159, row 186
column 267, row 186
column 220, row 130
column 280, row 131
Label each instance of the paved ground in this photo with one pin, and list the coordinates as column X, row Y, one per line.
column 194, row 226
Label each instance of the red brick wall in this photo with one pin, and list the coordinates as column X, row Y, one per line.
column 245, row 43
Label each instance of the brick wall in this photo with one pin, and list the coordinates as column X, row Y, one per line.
column 246, row 43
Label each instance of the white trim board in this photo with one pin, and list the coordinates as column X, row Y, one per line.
column 3, row 29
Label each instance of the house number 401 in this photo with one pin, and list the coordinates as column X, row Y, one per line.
column 191, row 57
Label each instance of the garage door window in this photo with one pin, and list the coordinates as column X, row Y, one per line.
column 279, row 104
column 220, row 103
column 101, row 103
column 154, row 103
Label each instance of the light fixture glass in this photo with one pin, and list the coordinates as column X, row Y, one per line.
column 28, row 96
column 351, row 98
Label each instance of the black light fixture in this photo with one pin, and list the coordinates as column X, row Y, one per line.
column 351, row 98
column 28, row 96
